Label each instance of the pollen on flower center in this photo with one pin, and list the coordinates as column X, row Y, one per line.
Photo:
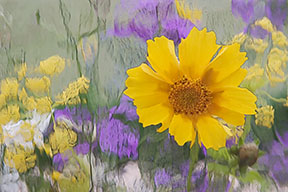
column 189, row 97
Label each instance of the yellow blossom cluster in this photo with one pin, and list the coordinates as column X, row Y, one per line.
column 255, row 77
column 52, row 65
column 20, row 158
column 265, row 116
column 21, row 72
column 186, row 13
column 276, row 65
column 71, row 95
column 62, row 138
column 38, row 85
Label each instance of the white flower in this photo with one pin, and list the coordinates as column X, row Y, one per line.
column 11, row 182
column 27, row 132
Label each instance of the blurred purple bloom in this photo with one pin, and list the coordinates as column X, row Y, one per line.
column 79, row 117
column 126, row 108
column 150, row 18
column 276, row 161
column 276, row 11
column 117, row 138
column 244, row 9
column 59, row 160
column 251, row 10
column 199, row 177
column 162, row 177
column 82, row 148
column 257, row 32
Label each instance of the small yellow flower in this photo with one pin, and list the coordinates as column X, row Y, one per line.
column 9, row 88
column 265, row 116
column 239, row 38
column 266, row 24
column 43, row 104
column 62, row 139
column 28, row 102
column 11, row 112
column 22, row 71
column 56, row 175
column 20, row 158
column 258, row 45
column 279, row 39
column 2, row 100
column 52, row 65
column 277, row 59
column 38, row 85
column 254, row 72
column 185, row 95
column 186, row 13
column 70, row 96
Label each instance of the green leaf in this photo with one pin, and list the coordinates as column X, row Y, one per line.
column 92, row 98
column 218, row 168
column 252, row 176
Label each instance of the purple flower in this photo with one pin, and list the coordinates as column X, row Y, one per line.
column 276, row 11
column 126, row 108
column 256, row 31
column 162, row 177
column 276, row 161
column 151, row 18
column 117, row 138
column 78, row 117
column 244, row 9
column 82, row 148
column 59, row 160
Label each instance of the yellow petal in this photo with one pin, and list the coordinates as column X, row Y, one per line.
column 161, row 56
column 182, row 129
column 232, row 80
column 196, row 51
column 228, row 60
column 150, row 100
column 211, row 133
column 155, row 114
column 143, row 81
column 236, row 99
column 166, row 123
column 231, row 117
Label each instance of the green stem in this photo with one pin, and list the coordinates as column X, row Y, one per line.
column 193, row 160
column 280, row 100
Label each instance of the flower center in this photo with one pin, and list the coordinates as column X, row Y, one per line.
column 190, row 97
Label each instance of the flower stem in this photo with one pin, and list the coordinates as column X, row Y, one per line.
column 193, row 160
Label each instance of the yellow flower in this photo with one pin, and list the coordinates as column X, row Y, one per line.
column 266, row 24
column 62, row 139
column 2, row 100
column 186, row 13
column 20, row 158
column 239, row 38
column 279, row 39
column 9, row 88
column 70, row 96
column 22, row 71
column 258, row 45
column 43, row 104
column 9, row 113
column 254, row 78
column 38, row 85
column 183, row 95
column 52, row 65
column 265, row 116
column 277, row 59
column 28, row 102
